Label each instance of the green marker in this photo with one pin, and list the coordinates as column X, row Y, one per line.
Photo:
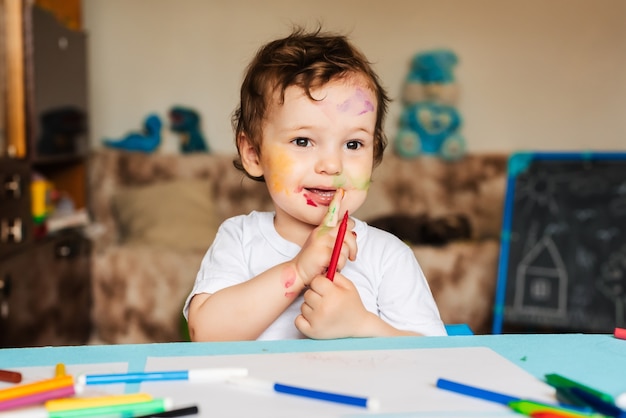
column 146, row 407
column 560, row 382
column 529, row 407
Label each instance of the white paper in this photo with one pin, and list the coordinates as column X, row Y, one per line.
column 402, row 380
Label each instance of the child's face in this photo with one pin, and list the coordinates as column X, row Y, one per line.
column 311, row 148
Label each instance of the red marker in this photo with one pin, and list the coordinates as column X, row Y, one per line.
column 550, row 414
column 334, row 258
column 10, row 376
column 620, row 333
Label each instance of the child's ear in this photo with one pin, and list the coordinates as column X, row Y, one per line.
column 249, row 157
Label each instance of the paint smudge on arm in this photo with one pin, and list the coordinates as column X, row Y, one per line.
column 288, row 279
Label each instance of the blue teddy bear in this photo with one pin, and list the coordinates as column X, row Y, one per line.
column 429, row 123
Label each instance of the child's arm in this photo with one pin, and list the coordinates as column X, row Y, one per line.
column 334, row 310
column 244, row 311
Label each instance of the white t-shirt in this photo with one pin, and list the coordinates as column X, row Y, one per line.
column 386, row 273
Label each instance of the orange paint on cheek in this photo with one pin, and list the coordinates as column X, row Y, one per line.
column 280, row 166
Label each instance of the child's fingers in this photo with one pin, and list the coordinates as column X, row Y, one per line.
column 332, row 216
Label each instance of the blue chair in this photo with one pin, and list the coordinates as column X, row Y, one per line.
column 458, row 329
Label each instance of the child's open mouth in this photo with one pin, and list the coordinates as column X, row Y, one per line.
column 321, row 197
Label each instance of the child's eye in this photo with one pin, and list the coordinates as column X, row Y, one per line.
column 302, row 142
column 354, row 145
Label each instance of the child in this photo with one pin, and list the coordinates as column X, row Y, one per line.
column 310, row 125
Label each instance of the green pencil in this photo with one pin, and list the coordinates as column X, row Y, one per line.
column 146, row 407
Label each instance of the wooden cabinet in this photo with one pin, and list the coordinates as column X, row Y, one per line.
column 45, row 294
column 16, row 230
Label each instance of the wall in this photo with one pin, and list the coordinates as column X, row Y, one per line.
column 534, row 74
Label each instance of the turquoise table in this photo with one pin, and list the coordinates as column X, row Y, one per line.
column 597, row 360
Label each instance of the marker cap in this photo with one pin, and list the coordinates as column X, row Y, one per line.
column 214, row 375
column 620, row 333
column 620, row 401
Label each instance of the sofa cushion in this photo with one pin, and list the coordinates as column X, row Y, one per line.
column 177, row 214
column 139, row 292
column 462, row 276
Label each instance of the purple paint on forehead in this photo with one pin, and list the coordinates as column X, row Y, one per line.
column 359, row 98
column 369, row 107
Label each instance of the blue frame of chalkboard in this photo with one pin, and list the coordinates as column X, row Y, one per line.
column 518, row 163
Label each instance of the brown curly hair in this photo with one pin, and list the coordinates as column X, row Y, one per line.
column 307, row 60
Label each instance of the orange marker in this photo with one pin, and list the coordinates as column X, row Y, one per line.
column 36, row 387
column 59, row 370
column 334, row 258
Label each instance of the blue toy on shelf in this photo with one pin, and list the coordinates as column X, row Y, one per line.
column 430, row 128
column 186, row 122
column 146, row 141
column 430, row 123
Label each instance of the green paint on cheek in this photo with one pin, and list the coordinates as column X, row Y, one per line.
column 362, row 184
column 340, row 181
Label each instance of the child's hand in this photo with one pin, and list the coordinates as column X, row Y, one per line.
column 314, row 257
column 332, row 310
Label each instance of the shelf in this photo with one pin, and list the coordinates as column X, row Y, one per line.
column 52, row 160
column 46, row 136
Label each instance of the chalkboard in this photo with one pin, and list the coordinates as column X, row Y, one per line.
column 562, row 264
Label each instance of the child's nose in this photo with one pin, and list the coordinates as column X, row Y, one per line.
column 329, row 163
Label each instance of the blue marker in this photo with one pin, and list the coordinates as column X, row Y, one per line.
column 267, row 386
column 475, row 392
column 197, row 375
column 495, row 397
column 597, row 403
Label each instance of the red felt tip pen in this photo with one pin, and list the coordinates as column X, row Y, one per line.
column 620, row 333
column 10, row 376
column 334, row 258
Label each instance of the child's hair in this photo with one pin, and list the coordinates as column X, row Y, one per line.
column 308, row 60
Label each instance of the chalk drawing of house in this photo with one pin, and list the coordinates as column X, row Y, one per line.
column 541, row 282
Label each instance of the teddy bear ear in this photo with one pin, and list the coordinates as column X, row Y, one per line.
column 435, row 66
column 450, row 57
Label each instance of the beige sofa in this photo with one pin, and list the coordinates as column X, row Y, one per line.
column 156, row 214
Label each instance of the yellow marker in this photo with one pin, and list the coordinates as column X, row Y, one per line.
column 59, row 370
column 36, row 387
column 110, row 400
